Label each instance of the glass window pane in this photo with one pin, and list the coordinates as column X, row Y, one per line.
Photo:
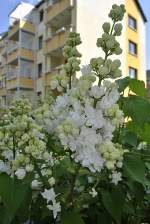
column 132, row 73
column 132, row 47
column 132, row 22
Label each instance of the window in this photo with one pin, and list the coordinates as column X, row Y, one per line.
column 39, row 93
column 132, row 73
column 132, row 48
column 40, row 42
column 132, row 23
column 39, row 70
column 41, row 15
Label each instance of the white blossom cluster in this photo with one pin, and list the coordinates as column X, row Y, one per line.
column 83, row 128
column 59, row 82
column 52, row 205
column 22, row 142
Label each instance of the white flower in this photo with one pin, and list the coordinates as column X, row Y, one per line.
column 51, row 181
column 116, row 177
column 29, row 168
column 35, row 185
column 93, row 192
column 86, row 69
column 20, row 173
column 94, row 117
column 142, row 145
column 97, row 92
column 4, row 167
column 55, row 207
column 49, row 195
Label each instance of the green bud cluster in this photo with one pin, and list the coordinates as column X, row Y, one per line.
column 71, row 54
column 72, row 66
column 73, row 39
column 109, row 68
column 109, row 43
column 117, row 12
column 106, row 68
column 113, row 155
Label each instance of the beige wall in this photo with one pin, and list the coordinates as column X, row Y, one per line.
column 91, row 14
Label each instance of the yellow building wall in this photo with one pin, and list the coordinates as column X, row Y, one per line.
column 134, row 36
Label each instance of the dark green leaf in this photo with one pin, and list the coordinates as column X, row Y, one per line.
column 71, row 217
column 114, row 203
column 123, row 83
column 129, row 138
column 134, row 168
column 13, row 193
column 138, row 87
column 137, row 108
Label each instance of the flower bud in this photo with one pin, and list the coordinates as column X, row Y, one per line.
column 106, row 27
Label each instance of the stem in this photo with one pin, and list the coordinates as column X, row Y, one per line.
column 71, row 194
column 70, row 81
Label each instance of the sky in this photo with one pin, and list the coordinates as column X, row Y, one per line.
column 7, row 5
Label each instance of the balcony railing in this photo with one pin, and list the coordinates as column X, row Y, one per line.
column 12, row 46
column 56, row 41
column 56, row 9
column 12, row 73
column 20, row 24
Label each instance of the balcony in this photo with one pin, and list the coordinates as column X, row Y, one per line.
column 51, row 73
column 58, row 10
column 21, row 82
column 54, row 44
column 3, row 91
column 13, row 32
column 20, row 53
column 13, row 45
column 3, row 70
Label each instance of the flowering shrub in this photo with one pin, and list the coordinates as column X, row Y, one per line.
column 83, row 155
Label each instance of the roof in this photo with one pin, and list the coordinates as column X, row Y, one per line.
column 39, row 3
column 4, row 34
column 141, row 10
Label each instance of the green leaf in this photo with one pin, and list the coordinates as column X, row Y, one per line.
column 71, row 217
column 13, row 194
column 145, row 133
column 137, row 108
column 129, row 138
column 134, row 168
column 138, row 87
column 114, row 203
column 123, row 83
column 137, row 190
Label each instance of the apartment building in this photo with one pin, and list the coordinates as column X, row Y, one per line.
column 31, row 49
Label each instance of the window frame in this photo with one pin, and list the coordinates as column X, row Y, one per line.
column 136, row 48
column 40, row 42
column 41, row 15
column 40, row 70
column 135, row 20
column 133, row 69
